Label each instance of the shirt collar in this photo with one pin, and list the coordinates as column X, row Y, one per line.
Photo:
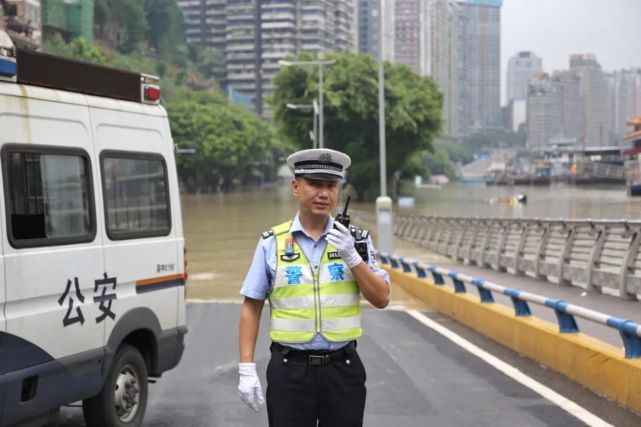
column 297, row 226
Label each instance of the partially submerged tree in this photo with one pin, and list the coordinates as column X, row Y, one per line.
column 230, row 143
column 413, row 107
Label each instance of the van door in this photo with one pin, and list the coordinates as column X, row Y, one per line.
column 3, row 324
column 52, row 256
column 140, row 246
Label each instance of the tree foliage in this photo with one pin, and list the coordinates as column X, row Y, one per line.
column 412, row 112
column 122, row 22
column 232, row 145
column 166, row 26
column 438, row 163
column 79, row 49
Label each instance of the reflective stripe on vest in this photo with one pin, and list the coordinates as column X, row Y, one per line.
column 303, row 303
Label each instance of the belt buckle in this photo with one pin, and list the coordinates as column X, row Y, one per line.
column 317, row 360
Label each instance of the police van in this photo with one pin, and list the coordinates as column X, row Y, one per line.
column 92, row 269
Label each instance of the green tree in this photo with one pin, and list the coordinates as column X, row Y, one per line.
column 412, row 113
column 122, row 23
column 439, row 163
column 131, row 18
column 206, row 60
column 457, row 152
column 79, row 49
column 166, row 26
column 231, row 144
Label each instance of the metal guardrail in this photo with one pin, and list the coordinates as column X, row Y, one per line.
column 591, row 254
column 565, row 313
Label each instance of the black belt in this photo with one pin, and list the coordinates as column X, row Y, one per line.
column 313, row 357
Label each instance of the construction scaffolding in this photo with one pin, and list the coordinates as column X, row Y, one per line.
column 72, row 19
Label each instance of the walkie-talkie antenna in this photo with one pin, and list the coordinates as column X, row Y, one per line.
column 346, row 205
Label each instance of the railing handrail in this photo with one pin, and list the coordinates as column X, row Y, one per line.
column 591, row 253
column 560, row 221
column 565, row 312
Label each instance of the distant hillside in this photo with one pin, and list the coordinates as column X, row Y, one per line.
column 143, row 36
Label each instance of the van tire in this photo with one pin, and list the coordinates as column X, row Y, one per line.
column 107, row 408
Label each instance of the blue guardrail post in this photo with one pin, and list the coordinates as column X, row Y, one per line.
column 459, row 286
column 628, row 331
column 521, row 307
column 567, row 322
column 438, row 278
column 420, row 271
column 486, row 296
column 407, row 268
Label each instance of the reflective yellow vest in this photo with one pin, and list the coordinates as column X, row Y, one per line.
column 304, row 303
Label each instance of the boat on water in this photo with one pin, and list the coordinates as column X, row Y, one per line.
column 632, row 153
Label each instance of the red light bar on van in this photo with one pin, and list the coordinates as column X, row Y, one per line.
column 152, row 93
column 150, row 89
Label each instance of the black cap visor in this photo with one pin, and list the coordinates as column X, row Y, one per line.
column 319, row 176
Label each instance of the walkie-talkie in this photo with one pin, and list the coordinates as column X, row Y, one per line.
column 360, row 240
column 344, row 218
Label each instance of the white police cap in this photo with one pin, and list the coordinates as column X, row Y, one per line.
column 319, row 163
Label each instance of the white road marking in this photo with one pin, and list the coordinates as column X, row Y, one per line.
column 509, row 370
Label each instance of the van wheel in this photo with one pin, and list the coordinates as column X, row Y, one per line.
column 123, row 398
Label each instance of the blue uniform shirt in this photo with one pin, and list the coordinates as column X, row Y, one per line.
column 260, row 277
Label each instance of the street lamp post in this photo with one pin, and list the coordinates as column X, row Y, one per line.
column 320, row 65
column 306, row 108
column 316, row 119
column 383, row 202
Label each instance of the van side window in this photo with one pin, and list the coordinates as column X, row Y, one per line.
column 136, row 195
column 48, row 196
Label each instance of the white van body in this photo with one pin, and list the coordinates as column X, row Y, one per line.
column 68, row 304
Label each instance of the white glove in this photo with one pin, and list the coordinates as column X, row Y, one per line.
column 249, row 387
column 343, row 241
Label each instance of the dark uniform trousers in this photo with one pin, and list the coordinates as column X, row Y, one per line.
column 315, row 388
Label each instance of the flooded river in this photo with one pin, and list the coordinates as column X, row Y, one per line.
column 222, row 230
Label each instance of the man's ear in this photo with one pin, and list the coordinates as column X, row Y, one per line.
column 294, row 186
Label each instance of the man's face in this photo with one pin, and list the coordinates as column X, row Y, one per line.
column 315, row 197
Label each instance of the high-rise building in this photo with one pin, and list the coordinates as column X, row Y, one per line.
column 410, row 34
column 205, row 22
column 254, row 35
column 480, row 88
column 543, row 113
column 428, row 39
column 624, row 100
column 594, row 95
column 569, row 87
column 520, row 69
column 368, row 28
column 554, row 110
column 443, row 57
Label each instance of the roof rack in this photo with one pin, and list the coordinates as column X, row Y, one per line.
column 40, row 69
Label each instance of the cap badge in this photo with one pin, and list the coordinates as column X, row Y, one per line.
column 325, row 157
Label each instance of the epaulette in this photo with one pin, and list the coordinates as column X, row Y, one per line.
column 358, row 233
column 267, row 234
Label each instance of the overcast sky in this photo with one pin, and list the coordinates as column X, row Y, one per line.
column 555, row 29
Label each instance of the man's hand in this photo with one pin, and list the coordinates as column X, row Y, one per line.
column 342, row 240
column 249, row 387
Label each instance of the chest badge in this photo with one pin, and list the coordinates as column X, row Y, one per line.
column 289, row 255
column 333, row 255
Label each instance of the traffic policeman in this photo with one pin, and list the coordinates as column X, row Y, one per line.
column 312, row 275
